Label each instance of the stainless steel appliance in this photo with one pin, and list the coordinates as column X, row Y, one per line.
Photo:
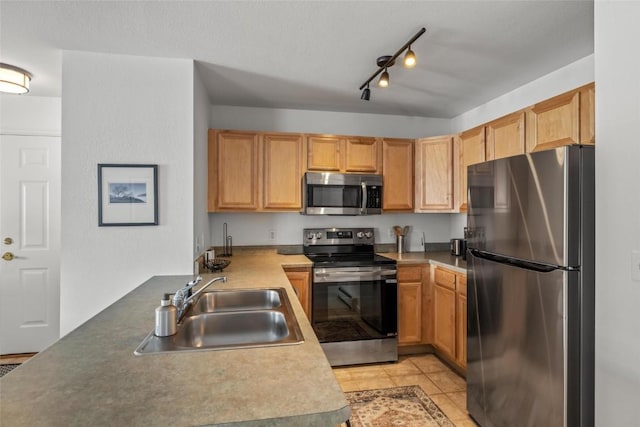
column 530, row 329
column 353, row 296
column 328, row 193
column 458, row 246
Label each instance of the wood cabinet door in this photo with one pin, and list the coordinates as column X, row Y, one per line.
column 472, row 151
column 434, row 174
column 283, row 171
column 397, row 175
column 461, row 321
column 300, row 280
column 237, row 170
column 361, row 154
column 554, row 122
column 324, row 153
column 506, row 136
column 409, row 313
column 444, row 301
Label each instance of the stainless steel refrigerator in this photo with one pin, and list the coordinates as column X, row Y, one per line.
column 530, row 327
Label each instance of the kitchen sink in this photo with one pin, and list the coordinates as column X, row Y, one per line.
column 231, row 319
column 237, row 300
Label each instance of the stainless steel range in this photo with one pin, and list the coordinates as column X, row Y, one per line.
column 354, row 296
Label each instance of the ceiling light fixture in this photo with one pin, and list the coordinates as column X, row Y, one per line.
column 384, row 62
column 384, row 79
column 366, row 93
column 14, row 79
column 410, row 59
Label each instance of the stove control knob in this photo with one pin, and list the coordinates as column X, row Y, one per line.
column 359, row 234
column 319, row 235
column 310, row 236
column 368, row 234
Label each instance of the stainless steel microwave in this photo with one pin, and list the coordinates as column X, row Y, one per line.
column 328, row 193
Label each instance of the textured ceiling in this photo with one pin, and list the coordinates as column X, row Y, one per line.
column 313, row 54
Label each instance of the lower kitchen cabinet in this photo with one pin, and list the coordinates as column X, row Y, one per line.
column 450, row 316
column 409, row 304
column 461, row 321
column 300, row 279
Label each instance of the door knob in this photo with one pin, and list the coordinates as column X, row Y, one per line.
column 8, row 240
column 7, row 256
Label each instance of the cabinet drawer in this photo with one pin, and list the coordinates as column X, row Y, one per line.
column 445, row 278
column 411, row 273
column 462, row 284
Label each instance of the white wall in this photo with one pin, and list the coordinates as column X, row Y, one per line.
column 123, row 109
column 566, row 78
column 617, row 68
column 201, row 233
column 282, row 120
column 30, row 115
column 253, row 228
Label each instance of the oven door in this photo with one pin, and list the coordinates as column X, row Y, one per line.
column 354, row 303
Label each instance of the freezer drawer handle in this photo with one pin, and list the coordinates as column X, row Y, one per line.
column 522, row 263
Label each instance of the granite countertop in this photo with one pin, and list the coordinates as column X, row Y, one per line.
column 441, row 258
column 91, row 376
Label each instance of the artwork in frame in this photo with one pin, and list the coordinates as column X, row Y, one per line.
column 127, row 195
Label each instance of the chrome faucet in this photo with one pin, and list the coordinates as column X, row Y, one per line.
column 183, row 297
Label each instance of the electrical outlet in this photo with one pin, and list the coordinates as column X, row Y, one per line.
column 635, row 265
column 272, row 234
column 391, row 233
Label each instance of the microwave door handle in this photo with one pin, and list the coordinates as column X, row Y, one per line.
column 363, row 208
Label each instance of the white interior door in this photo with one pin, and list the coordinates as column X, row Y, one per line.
column 29, row 242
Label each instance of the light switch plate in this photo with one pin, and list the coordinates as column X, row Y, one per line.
column 635, row 265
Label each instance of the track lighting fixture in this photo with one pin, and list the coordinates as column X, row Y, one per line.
column 384, row 79
column 409, row 59
column 14, row 79
column 366, row 94
column 384, row 62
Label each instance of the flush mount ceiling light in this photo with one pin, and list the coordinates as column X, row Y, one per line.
column 384, row 62
column 14, row 79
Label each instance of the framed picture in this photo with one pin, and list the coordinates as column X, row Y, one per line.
column 127, row 195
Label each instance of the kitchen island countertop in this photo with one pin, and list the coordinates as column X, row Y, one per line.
column 91, row 376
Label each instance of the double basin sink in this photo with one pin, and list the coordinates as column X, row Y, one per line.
column 231, row 319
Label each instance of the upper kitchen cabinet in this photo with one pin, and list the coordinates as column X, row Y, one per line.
column 233, row 170
column 362, row 155
column 506, row 136
column 255, row 171
column 562, row 120
column 284, row 156
column 343, row 154
column 397, row 175
column 473, row 150
column 324, row 153
column 434, row 174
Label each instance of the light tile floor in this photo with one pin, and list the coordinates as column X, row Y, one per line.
column 441, row 384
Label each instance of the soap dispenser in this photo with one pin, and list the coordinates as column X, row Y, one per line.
column 166, row 318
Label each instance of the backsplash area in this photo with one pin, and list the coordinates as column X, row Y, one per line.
column 255, row 229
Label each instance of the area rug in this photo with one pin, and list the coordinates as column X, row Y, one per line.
column 390, row 407
column 5, row 369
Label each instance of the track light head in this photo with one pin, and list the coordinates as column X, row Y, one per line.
column 409, row 59
column 384, row 79
column 366, row 94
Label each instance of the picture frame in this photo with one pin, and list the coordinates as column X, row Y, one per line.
column 127, row 194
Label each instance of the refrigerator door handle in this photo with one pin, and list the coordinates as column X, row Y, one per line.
column 518, row 262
